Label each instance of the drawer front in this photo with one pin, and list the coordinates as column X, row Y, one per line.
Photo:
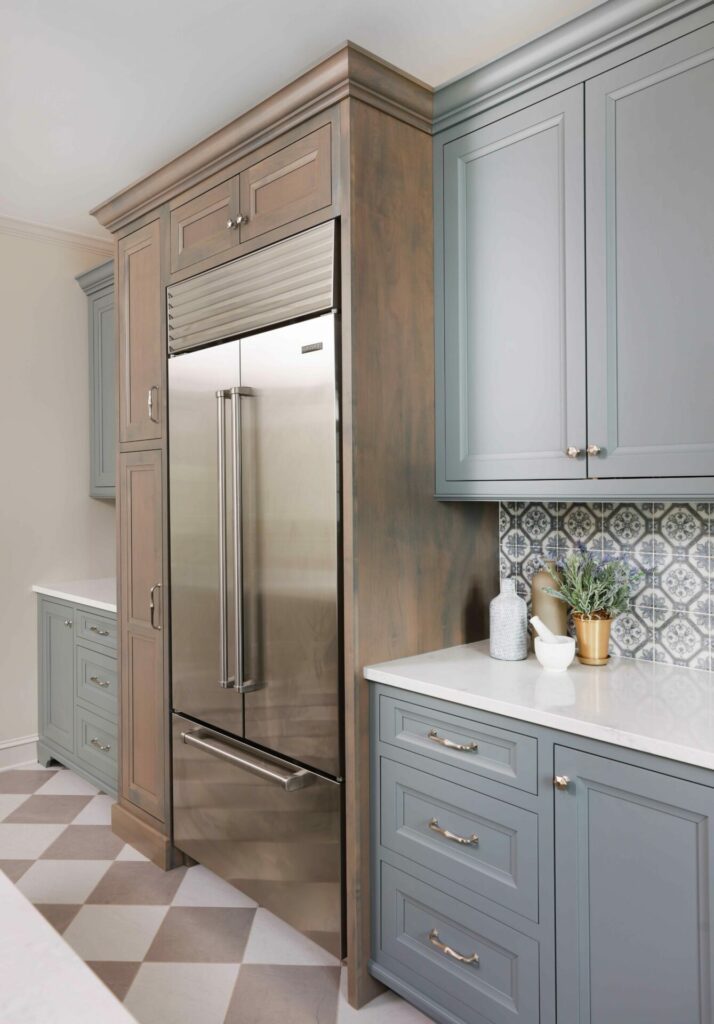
column 287, row 185
column 96, row 740
column 199, row 228
column 417, row 922
column 490, row 847
column 96, row 679
column 97, row 628
column 461, row 741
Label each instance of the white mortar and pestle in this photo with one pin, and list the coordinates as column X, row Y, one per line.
column 553, row 652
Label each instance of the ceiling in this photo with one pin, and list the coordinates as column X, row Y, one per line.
column 94, row 95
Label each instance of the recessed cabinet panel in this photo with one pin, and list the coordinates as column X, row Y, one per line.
column 200, row 228
column 514, row 344
column 57, row 673
column 102, row 366
column 287, row 185
column 650, row 168
column 633, row 894
column 140, row 342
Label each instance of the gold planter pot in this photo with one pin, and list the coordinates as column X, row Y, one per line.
column 593, row 639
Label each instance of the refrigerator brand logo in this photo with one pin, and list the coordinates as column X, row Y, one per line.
column 312, row 348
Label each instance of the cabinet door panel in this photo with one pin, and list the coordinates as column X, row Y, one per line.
column 633, row 894
column 287, row 185
column 102, row 370
column 140, row 341
column 199, row 228
column 514, row 296
column 143, row 709
column 57, row 673
column 650, row 253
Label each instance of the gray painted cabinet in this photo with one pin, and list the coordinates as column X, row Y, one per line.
column 634, row 873
column 77, row 690
column 590, row 904
column 98, row 285
column 601, row 190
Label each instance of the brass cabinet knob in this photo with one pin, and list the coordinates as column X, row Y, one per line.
column 561, row 781
column 594, row 449
column 572, row 452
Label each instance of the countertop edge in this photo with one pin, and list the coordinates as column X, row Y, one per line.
column 547, row 719
column 64, row 595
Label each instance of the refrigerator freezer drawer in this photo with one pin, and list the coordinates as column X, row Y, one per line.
column 271, row 829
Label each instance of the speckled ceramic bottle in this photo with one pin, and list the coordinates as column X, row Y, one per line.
column 508, row 624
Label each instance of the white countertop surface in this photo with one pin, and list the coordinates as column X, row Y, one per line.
column 658, row 709
column 42, row 979
column 100, row 594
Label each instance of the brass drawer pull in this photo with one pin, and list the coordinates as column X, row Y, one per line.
column 436, row 738
column 98, row 631
column 448, row 951
column 471, row 840
column 104, row 747
column 99, row 682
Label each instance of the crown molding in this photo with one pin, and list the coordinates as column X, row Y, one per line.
column 55, row 236
column 349, row 71
column 597, row 32
column 97, row 278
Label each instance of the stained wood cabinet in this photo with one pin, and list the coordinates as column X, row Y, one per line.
column 141, row 349
column 602, row 189
column 270, row 196
column 144, row 709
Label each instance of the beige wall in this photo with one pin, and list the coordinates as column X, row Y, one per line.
column 50, row 529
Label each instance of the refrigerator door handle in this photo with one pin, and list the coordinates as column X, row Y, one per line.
column 224, row 681
column 236, row 394
column 239, row 756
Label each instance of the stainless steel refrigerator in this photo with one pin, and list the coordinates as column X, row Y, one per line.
column 255, row 588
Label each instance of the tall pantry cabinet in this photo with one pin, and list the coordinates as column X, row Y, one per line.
column 348, row 141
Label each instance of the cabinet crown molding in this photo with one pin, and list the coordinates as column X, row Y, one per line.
column 593, row 34
column 349, row 71
column 91, row 281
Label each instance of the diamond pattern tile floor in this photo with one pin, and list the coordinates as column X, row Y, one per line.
column 176, row 947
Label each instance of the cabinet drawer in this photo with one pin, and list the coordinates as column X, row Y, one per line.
column 99, row 629
column 96, row 743
column 287, row 185
column 199, row 228
column 494, row 753
column 96, row 679
column 499, row 860
column 502, row 986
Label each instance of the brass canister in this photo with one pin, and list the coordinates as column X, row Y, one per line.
column 593, row 639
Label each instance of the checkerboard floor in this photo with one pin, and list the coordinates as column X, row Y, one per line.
column 181, row 946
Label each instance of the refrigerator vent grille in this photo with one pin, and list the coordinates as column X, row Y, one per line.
column 284, row 281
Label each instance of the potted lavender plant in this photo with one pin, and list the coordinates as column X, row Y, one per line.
column 597, row 592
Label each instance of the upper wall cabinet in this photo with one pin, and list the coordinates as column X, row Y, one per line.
column 141, row 350
column 650, row 260
column 601, row 189
column 270, row 196
column 514, row 295
column 98, row 285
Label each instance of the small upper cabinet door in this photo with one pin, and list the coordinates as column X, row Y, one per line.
column 204, row 226
column 634, row 895
column 650, row 254
column 513, row 398
column 140, row 343
column 287, row 185
column 102, row 382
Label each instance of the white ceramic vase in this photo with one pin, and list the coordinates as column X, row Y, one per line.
column 508, row 624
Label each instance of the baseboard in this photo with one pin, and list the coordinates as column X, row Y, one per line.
column 146, row 839
column 17, row 752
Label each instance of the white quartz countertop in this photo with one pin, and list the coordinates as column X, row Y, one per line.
column 42, row 979
column 658, row 709
column 100, row 594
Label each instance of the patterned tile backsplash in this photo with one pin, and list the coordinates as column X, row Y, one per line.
column 671, row 614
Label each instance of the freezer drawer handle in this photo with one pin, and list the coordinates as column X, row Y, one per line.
column 265, row 769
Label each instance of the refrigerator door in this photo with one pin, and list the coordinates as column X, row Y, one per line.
column 290, row 511
column 201, row 538
column 270, row 829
